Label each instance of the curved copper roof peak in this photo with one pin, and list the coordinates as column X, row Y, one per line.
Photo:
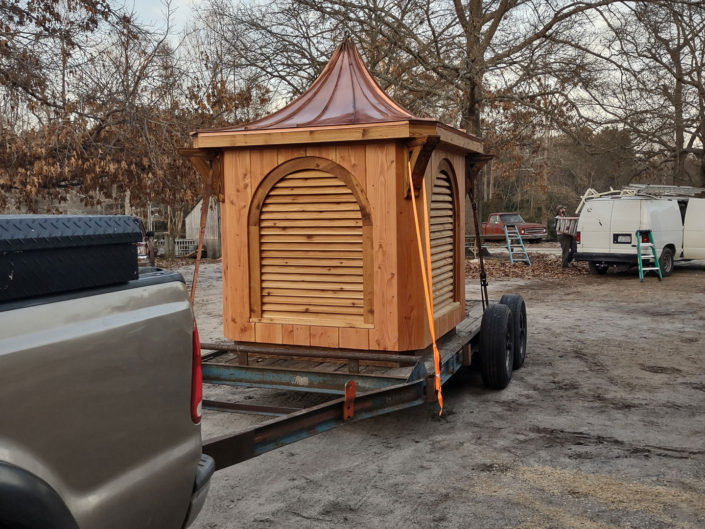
column 344, row 94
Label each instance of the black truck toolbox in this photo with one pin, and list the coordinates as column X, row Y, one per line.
column 48, row 254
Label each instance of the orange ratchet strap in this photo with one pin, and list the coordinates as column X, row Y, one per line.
column 427, row 284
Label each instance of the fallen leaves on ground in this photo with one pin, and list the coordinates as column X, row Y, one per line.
column 542, row 267
column 169, row 263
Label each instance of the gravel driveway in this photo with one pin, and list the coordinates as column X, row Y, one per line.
column 604, row 427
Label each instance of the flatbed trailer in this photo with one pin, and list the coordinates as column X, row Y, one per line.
column 364, row 385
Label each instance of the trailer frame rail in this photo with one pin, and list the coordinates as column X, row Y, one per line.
column 229, row 449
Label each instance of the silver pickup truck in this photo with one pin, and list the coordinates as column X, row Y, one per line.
column 101, row 383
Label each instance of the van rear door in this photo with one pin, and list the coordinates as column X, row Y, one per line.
column 594, row 226
column 694, row 229
column 663, row 216
column 626, row 219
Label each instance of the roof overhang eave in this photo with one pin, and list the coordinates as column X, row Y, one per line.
column 449, row 137
column 223, row 139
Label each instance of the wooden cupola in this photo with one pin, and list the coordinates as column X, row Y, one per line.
column 318, row 235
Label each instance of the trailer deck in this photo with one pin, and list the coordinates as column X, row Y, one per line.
column 321, row 370
column 370, row 384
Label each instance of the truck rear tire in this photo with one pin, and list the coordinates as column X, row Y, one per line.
column 516, row 304
column 496, row 346
column 666, row 262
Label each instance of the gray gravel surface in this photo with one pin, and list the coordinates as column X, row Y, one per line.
column 602, row 428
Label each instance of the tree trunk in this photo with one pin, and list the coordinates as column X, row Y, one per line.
column 471, row 113
column 128, row 209
column 701, row 155
column 471, row 122
column 489, row 174
column 175, row 217
column 169, row 246
column 679, row 156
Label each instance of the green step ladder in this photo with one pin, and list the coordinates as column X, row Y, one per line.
column 643, row 254
column 515, row 245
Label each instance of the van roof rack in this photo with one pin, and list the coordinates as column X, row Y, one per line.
column 649, row 190
column 663, row 190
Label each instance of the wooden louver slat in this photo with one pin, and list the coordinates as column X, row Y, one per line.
column 442, row 235
column 310, row 249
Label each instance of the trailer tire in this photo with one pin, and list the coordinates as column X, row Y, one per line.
column 496, row 346
column 516, row 304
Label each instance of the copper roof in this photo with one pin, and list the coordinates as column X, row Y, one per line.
column 344, row 94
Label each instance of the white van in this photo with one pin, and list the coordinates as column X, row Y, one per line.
column 606, row 233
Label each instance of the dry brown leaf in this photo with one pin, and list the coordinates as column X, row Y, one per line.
column 542, row 267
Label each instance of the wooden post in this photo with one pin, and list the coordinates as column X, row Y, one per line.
column 205, row 204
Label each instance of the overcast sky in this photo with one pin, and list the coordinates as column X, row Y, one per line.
column 152, row 11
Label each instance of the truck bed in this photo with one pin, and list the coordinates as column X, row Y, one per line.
column 100, row 381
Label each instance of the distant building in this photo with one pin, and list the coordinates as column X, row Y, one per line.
column 211, row 238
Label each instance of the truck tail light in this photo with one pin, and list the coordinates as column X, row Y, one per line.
column 645, row 238
column 196, row 378
column 577, row 236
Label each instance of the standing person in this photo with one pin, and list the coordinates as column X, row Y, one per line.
column 568, row 243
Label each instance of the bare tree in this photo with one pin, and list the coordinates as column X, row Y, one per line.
column 40, row 44
column 128, row 99
column 653, row 57
column 467, row 55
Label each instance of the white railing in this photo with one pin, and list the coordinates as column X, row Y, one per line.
column 184, row 247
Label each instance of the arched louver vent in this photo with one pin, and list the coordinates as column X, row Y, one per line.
column 442, row 231
column 311, row 251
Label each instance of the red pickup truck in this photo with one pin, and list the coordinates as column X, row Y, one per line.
column 493, row 229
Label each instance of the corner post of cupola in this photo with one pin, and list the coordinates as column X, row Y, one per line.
column 418, row 152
